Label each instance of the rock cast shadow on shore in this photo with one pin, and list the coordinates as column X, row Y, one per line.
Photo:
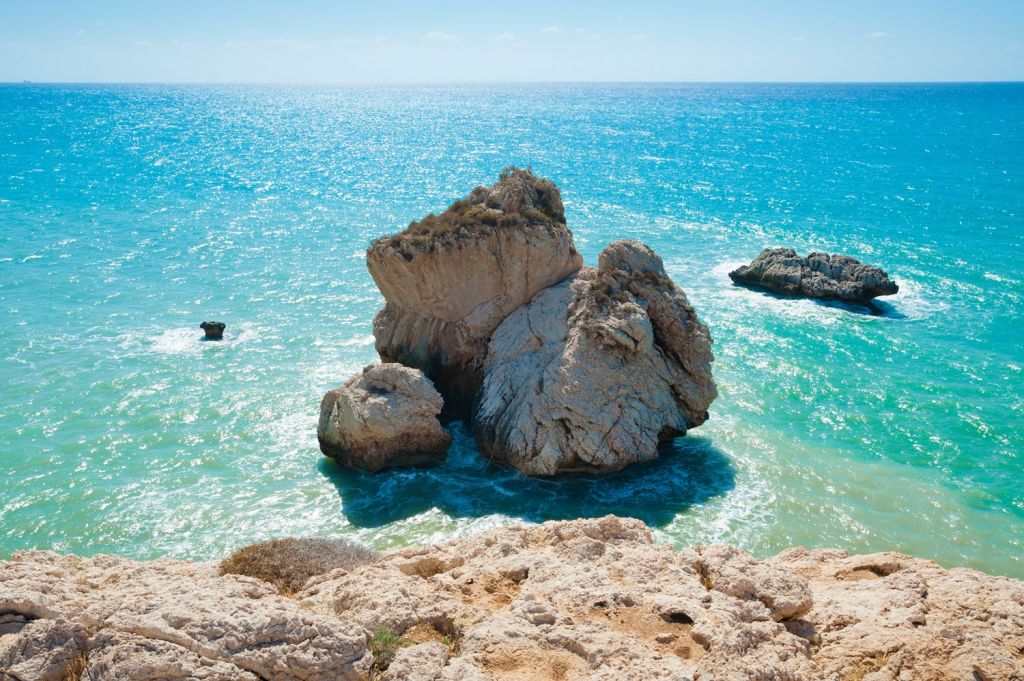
column 687, row 472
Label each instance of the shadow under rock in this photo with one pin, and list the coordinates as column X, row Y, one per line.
column 688, row 471
column 874, row 308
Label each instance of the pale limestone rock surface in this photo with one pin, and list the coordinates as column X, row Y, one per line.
column 420, row 662
column 596, row 599
column 819, row 275
column 595, row 372
column 171, row 615
column 449, row 280
column 384, row 417
column 579, row 600
column 116, row 656
column 891, row 617
column 587, row 599
column 737, row 573
column 39, row 649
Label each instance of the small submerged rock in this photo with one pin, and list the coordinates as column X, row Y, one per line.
column 385, row 417
column 214, row 330
column 819, row 275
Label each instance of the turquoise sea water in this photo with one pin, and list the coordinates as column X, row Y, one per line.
column 129, row 214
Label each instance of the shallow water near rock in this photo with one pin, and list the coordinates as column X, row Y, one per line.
column 129, row 214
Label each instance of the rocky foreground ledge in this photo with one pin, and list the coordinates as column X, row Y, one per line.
column 586, row 599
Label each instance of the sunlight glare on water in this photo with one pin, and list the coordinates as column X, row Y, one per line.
column 129, row 214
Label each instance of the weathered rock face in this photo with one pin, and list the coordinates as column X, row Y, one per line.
column 214, row 330
column 449, row 280
column 819, row 275
column 111, row 618
column 587, row 599
column 387, row 416
column 594, row 372
column 596, row 599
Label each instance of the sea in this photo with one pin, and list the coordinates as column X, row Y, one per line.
column 131, row 213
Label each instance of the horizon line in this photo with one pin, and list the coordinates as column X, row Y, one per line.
column 386, row 83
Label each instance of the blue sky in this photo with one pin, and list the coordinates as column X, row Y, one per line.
column 316, row 41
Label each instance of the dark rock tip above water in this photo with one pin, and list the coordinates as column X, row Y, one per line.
column 214, row 330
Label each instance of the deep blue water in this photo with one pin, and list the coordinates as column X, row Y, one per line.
column 128, row 214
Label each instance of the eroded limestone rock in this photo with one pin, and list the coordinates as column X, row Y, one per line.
column 596, row 371
column 384, row 417
column 449, row 280
column 580, row 600
column 819, row 275
column 164, row 615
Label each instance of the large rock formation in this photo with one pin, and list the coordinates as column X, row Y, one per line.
column 586, row 599
column 384, row 417
column 594, row 372
column 449, row 280
column 819, row 275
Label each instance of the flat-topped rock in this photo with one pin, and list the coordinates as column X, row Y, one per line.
column 595, row 372
column 384, row 417
column 819, row 275
column 449, row 280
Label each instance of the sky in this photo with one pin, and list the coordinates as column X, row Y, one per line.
column 407, row 41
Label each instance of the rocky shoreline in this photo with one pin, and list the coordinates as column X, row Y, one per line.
column 583, row 599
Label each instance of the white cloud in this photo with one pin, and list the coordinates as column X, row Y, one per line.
column 638, row 36
column 81, row 31
column 144, row 44
column 550, row 29
column 439, row 36
column 504, row 37
column 579, row 30
column 797, row 39
column 878, row 35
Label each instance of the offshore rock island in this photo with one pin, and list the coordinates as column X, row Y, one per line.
column 559, row 368
column 819, row 275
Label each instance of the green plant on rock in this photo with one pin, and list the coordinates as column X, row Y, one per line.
column 383, row 645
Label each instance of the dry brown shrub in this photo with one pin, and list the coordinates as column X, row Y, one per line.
column 288, row 563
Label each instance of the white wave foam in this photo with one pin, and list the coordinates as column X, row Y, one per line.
column 914, row 301
column 184, row 340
